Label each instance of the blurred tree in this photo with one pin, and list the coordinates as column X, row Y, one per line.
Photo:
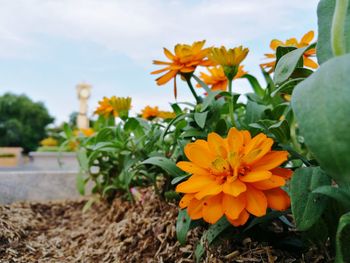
column 22, row 121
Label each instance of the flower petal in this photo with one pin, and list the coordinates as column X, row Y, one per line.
column 185, row 200
column 277, row 199
column 199, row 155
column 256, row 201
column 211, row 189
column 233, row 206
column 234, row 188
column 307, row 38
column 273, row 182
column 195, row 208
column 212, row 209
column 242, row 219
column 192, row 168
column 255, row 176
column 235, row 140
column 217, row 145
column 271, row 160
column 194, row 184
column 283, row 172
column 166, row 77
column 308, row 62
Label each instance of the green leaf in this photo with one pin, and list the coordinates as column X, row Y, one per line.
column 221, row 127
column 83, row 160
column 307, row 207
column 178, row 179
column 343, row 240
column 182, row 226
column 208, row 100
column 176, row 108
column 210, row 235
column 287, row 64
column 203, row 85
column 254, row 111
column 281, row 130
column 80, row 183
column 281, row 51
column 321, row 106
column 131, row 124
column 200, row 118
column 325, row 11
column 337, row 193
column 255, row 85
column 264, row 219
column 166, row 164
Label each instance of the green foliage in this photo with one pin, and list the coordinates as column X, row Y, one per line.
column 319, row 102
column 307, row 207
column 182, row 226
column 22, row 121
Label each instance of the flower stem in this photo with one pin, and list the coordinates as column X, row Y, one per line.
column 230, row 105
column 188, row 80
column 337, row 30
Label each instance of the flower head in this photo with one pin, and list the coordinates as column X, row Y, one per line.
column 166, row 115
column 231, row 57
column 236, row 176
column 217, row 79
column 113, row 106
column 292, row 42
column 150, row 112
column 49, row 142
column 87, row 132
column 184, row 60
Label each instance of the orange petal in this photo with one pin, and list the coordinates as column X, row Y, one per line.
column 217, row 144
column 194, row 184
column 166, row 77
column 234, row 188
column 256, row 201
column 212, row 209
column 255, row 176
column 160, row 70
column 242, row 219
column 192, row 168
column 283, row 172
column 310, row 63
column 168, row 54
column 257, row 149
column 235, row 140
column 273, row 182
column 233, row 206
column 275, row 43
column 199, row 155
column 211, row 189
column 246, row 137
column 277, row 199
column 270, row 160
column 185, row 200
column 307, row 38
column 195, row 208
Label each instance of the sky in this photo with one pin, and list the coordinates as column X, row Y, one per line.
column 47, row 47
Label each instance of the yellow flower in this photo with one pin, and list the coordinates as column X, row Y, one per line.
column 113, row 106
column 49, row 142
column 185, row 60
column 237, row 177
column 292, row 42
column 231, row 57
column 150, row 112
column 217, row 79
column 166, row 115
column 87, row 132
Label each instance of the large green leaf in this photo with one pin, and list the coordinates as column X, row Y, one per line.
column 200, row 118
column 321, row 105
column 325, row 12
column 307, row 207
column 287, row 64
column 339, row 194
column 166, row 164
column 343, row 239
column 182, row 226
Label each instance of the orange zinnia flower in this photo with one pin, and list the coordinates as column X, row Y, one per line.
column 150, row 112
column 217, row 79
column 114, row 105
column 185, row 60
column 292, row 42
column 236, row 176
column 228, row 58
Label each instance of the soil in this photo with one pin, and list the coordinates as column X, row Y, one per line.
column 119, row 232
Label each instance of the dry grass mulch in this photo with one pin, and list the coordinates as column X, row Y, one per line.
column 121, row 232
